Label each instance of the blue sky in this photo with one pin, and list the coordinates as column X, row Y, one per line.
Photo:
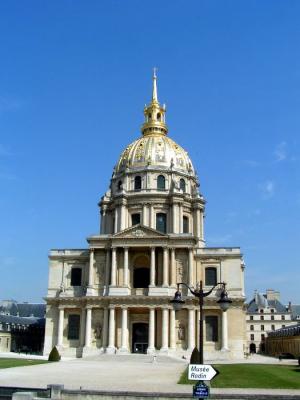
column 74, row 77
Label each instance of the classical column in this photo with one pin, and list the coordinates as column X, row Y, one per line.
column 224, row 332
column 165, row 329
column 91, row 267
column 122, row 217
column 112, row 330
column 125, row 276
column 105, row 328
column 116, row 220
column 107, row 270
column 173, row 267
column 124, row 331
column 144, row 216
column 191, row 270
column 174, row 218
column 202, row 224
column 113, row 280
column 60, row 333
column 151, row 347
column 82, row 327
column 166, row 267
column 152, row 267
column 172, row 330
column 191, row 330
column 198, row 223
column 151, row 223
column 180, row 218
column 88, row 327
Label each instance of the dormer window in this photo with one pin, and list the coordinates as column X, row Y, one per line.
column 137, row 183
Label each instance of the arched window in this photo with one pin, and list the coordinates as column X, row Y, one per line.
column 120, row 184
column 158, row 117
column 137, row 183
column 161, row 182
column 161, row 222
column 185, row 224
column 210, row 276
column 182, row 185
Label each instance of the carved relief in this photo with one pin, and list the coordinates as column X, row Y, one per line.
column 140, row 151
column 160, row 151
column 97, row 321
column 181, row 332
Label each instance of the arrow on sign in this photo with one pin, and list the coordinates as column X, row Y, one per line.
column 201, row 372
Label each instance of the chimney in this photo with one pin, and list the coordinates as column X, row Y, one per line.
column 272, row 294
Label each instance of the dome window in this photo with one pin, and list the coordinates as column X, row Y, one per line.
column 158, row 116
column 120, row 185
column 161, row 222
column 182, row 185
column 137, row 183
column 161, row 182
column 185, row 223
column 135, row 219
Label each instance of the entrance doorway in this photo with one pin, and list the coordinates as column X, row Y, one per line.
column 252, row 348
column 139, row 337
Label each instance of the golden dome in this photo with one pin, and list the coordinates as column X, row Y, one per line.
column 157, row 151
column 154, row 148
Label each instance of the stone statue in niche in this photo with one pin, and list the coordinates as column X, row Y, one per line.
column 181, row 332
column 98, row 331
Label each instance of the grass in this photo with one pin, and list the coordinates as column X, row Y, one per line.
column 18, row 362
column 264, row 376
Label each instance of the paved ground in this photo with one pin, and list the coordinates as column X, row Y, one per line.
column 134, row 373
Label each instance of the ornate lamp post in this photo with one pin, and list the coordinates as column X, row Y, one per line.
column 223, row 301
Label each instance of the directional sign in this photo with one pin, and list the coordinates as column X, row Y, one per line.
column 201, row 372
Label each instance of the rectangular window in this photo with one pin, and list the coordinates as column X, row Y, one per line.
column 135, row 219
column 262, row 337
column 251, row 317
column 272, row 318
column 252, row 336
column 283, row 317
column 76, row 276
column 262, row 327
column 210, row 276
column 211, row 323
column 251, row 327
column 161, row 222
column 73, row 326
column 262, row 317
column 185, row 224
column 272, row 310
column 283, row 326
column 273, row 327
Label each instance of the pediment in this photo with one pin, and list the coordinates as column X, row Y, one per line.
column 139, row 231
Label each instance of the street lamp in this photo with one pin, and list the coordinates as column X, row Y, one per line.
column 224, row 303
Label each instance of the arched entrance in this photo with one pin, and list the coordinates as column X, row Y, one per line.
column 139, row 337
column 252, row 348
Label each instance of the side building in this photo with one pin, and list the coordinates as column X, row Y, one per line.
column 265, row 313
column 22, row 326
column 115, row 295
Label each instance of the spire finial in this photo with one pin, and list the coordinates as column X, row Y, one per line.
column 154, row 92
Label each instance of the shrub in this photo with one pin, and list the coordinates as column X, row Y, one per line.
column 54, row 355
column 195, row 356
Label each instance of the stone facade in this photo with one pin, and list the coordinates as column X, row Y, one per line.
column 115, row 295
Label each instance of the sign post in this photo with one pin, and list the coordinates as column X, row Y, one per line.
column 200, row 373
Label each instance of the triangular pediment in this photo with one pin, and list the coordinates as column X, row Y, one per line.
column 139, row 231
